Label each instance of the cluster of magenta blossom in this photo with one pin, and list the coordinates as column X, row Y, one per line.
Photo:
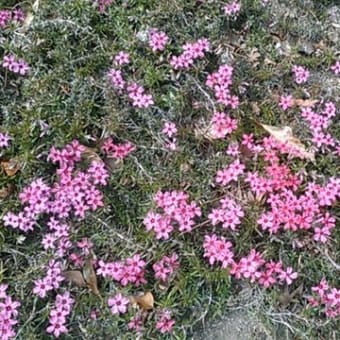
column 301, row 74
column 131, row 270
column 136, row 93
column 118, row 304
column 15, row 65
column 8, row 314
column 157, row 40
column 4, row 140
column 57, row 318
column 7, row 17
column 336, row 67
column 230, row 173
column 117, row 150
column 170, row 131
column 326, row 298
column 103, row 4
column 229, row 214
column 220, row 81
column 232, row 8
column 75, row 192
column 51, row 281
column 252, row 267
column 175, row 209
column 318, row 124
column 221, row 125
column 166, row 267
column 165, row 322
column 191, row 52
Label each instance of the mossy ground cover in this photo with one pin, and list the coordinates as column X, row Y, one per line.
column 66, row 95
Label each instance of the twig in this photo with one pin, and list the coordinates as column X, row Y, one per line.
column 334, row 264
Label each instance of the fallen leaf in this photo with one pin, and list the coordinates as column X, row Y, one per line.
column 286, row 298
column 304, row 102
column 28, row 21
column 285, row 135
column 6, row 191
column 76, row 277
column 145, row 301
column 91, row 154
column 11, row 167
column 90, row 277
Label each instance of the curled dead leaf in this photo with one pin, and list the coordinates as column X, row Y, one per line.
column 75, row 277
column 90, row 276
column 305, row 102
column 6, row 191
column 285, row 136
column 91, row 154
column 11, row 167
column 144, row 301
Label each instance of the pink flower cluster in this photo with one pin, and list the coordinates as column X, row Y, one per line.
column 166, row 267
column 8, row 314
column 75, row 191
column 252, row 266
column 15, row 65
column 58, row 315
column 319, row 122
column 301, row 74
column 220, row 81
column 135, row 92
column 103, row 4
column 255, row 268
column 336, row 67
column 51, row 281
column 222, row 125
column 118, row 151
column 132, row 270
column 165, row 322
column 138, row 96
column 4, row 140
column 157, row 40
column 229, row 213
column 232, row 8
column 170, row 130
column 6, row 16
column 118, row 304
column 218, row 250
column 192, row 51
column 177, row 211
column 230, row 173
column 327, row 297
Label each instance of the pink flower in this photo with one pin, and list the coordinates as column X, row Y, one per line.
column 230, row 173
column 165, row 322
column 157, row 40
column 165, row 268
column 57, row 326
column 288, row 275
column 222, row 125
column 122, row 58
column 116, row 79
column 169, row 129
column 232, row 8
column 301, row 74
column 286, row 102
column 336, row 67
column 118, row 304
column 4, row 140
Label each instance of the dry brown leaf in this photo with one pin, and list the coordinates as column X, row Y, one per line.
column 6, row 191
column 145, row 301
column 91, row 154
column 285, row 135
column 90, row 276
column 304, row 102
column 76, row 277
column 11, row 167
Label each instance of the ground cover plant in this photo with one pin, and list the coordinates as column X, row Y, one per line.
column 159, row 157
